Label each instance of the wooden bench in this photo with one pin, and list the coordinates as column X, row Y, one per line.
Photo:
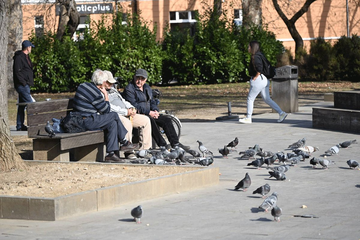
column 84, row 146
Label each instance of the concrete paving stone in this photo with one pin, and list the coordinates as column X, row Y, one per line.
column 218, row 212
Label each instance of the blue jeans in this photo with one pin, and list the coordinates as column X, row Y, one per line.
column 260, row 85
column 24, row 96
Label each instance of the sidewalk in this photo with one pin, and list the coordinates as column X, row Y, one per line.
column 221, row 213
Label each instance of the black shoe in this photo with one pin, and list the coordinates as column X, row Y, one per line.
column 128, row 146
column 186, row 148
column 112, row 158
column 23, row 128
column 130, row 155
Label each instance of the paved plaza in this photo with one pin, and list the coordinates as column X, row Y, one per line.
column 219, row 212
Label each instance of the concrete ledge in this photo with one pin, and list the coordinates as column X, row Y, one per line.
column 347, row 100
column 329, row 97
column 336, row 119
column 52, row 209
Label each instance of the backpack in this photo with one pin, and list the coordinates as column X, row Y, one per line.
column 268, row 70
column 73, row 123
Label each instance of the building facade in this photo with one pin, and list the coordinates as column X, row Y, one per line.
column 329, row 19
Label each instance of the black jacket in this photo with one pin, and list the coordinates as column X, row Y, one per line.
column 143, row 101
column 22, row 72
column 256, row 65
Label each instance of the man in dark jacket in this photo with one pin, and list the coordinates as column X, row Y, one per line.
column 139, row 94
column 23, row 79
column 92, row 101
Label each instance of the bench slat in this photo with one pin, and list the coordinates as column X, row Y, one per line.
column 39, row 119
column 49, row 106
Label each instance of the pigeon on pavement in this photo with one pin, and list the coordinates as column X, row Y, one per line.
column 282, row 157
column 269, row 202
column 278, row 175
column 257, row 163
column 276, row 212
column 353, row 163
column 194, row 153
column 300, row 143
column 308, row 149
column 205, row 161
column 49, row 129
column 204, row 150
column 314, row 161
column 233, row 143
column 332, row 151
column 281, row 168
column 137, row 213
column 324, row 163
column 263, row 190
column 346, row 144
column 224, row 151
column 247, row 154
column 244, row 184
column 270, row 160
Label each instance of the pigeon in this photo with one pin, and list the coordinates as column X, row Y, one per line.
column 295, row 160
column 282, row 157
column 332, row 151
column 308, row 149
column 137, row 213
column 324, row 163
column 142, row 153
column 265, row 154
column 194, row 153
column 314, row 161
column 49, row 129
column 302, row 153
column 300, row 143
column 269, row 161
column 233, row 143
column 244, row 184
column 257, row 163
column 203, row 149
column 205, row 161
column 281, row 168
column 257, row 148
column 263, row 190
column 353, row 163
column 346, row 144
column 276, row 213
column 278, row 175
column 250, row 153
column 224, row 151
column 269, row 202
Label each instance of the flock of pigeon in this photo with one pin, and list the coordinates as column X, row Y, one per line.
column 299, row 152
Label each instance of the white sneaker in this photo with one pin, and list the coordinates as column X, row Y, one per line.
column 245, row 120
column 282, row 117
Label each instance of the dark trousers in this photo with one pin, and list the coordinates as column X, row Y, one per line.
column 24, row 96
column 110, row 123
column 166, row 124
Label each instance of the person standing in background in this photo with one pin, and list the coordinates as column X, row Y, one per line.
column 23, row 75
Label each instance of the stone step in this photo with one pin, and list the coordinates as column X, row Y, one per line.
column 336, row 119
column 347, row 99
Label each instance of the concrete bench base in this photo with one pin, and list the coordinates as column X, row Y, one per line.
column 52, row 209
column 336, row 119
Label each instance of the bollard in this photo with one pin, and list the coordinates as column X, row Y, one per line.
column 229, row 108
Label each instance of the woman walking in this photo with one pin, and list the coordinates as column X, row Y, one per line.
column 259, row 84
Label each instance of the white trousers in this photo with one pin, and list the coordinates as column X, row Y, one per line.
column 138, row 120
column 260, row 85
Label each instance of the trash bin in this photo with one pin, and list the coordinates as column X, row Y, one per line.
column 285, row 88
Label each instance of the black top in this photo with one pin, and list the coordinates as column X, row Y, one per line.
column 257, row 66
column 22, row 71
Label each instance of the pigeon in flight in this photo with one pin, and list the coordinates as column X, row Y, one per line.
column 137, row 213
column 233, row 143
column 257, row 163
column 278, row 175
column 332, row 151
column 346, row 144
column 203, row 149
column 300, row 143
column 244, row 184
column 49, row 129
column 353, row 163
column 224, row 151
column 269, row 202
column 263, row 190
column 276, row 212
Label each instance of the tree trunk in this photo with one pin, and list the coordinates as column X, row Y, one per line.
column 251, row 13
column 69, row 18
column 217, row 9
column 9, row 158
column 290, row 23
column 15, row 31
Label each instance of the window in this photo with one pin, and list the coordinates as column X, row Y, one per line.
column 83, row 24
column 183, row 21
column 39, row 26
column 238, row 17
